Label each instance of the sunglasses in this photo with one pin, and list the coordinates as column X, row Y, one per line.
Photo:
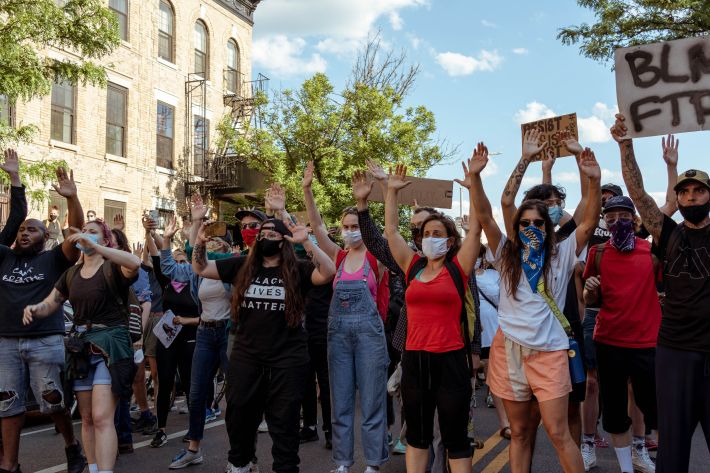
column 538, row 222
column 251, row 225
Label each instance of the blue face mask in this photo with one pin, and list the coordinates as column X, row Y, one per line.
column 555, row 214
column 93, row 237
column 532, row 255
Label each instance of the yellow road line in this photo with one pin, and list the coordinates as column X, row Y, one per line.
column 488, row 445
column 498, row 462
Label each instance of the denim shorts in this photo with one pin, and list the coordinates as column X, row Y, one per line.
column 35, row 362
column 98, row 374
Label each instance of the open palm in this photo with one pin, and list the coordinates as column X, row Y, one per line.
column 532, row 143
column 66, row 187
column 588, row 164
column 11, row 165
column 361, row 188
column 308, row 175
column 398, row 180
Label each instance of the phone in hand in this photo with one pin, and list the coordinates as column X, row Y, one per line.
column 154, row 215
column 216, row 229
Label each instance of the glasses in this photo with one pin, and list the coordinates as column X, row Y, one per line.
column 267, row 235
column 251, row 225
column 538, row 222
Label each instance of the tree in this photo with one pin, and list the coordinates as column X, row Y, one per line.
column 27, row 28
column 340, row 131
column 622, row 23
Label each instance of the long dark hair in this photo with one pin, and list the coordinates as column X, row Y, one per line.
column 121, row 240
column 511, row 266
column 451, row 231
column 289, row 273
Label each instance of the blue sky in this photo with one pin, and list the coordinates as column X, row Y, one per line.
column 485, row 68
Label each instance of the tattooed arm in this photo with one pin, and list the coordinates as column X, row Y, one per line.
column 532, row 144
column 651, row 215
column 44, row 309
column 200, row 264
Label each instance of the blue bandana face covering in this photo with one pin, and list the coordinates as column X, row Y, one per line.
column 533, row 254
column 555, row 213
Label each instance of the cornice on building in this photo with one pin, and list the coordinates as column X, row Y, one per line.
column 244, row 9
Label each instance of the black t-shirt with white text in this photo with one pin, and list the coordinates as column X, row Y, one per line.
column 262, row 335
column 685, row 253
column 26, row 280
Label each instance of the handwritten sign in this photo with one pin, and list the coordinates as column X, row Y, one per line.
column 435, row 193
column 552, row 129
column 664, row 87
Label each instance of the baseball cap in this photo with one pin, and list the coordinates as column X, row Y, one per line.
column 257, row 214
column 619, row 202
column 693, row 175
column 279, row 226
column 613, row 188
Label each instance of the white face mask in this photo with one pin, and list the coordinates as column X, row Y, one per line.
column 352, row 238
column 434, row 248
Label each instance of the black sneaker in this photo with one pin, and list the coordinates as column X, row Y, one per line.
column 125, row 448
column 159, row 440
column 147, row 425
column 328, row 439
column 76, row 461
column 2, row 470
column 308, row 434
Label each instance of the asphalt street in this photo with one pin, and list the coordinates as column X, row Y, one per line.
column 41, row 450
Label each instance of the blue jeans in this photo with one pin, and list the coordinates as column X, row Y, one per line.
column 210, row 354
column 122, row 421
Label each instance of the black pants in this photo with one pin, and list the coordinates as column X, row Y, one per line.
column 684, row 397
column 441, row 382
column 254, row 391
column 176, row 358
column 615, row 367
column 317, row 368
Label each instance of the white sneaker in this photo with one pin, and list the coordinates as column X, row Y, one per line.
column 263, row 427
column 341, row 469
column 233, row 469
column 589, row 455
column 641, row 460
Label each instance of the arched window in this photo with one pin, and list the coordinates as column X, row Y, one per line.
column 202, row 57
column 166, row 32
column 232, row 72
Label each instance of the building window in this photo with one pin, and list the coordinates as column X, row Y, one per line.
column 166, row 30
column 164, row 217
column 201, row 144
column 120, row 8
column 165, row 131
column 113, row 208
column 63, row 105
column 232, row 79
column 116, row 108
column 7, row 112
column 202, row 55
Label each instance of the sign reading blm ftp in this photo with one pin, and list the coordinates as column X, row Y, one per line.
column 664, row 87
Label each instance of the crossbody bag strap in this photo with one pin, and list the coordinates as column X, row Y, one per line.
column 553, row 307
column 461, row 289
column 480, row 291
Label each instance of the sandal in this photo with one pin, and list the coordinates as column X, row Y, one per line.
column 505, row 433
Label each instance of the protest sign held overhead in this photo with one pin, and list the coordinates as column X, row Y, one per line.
column 664, row 87
column 552, row 132
column 436, row 193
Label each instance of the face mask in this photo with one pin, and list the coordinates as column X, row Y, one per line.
column 313, row 239
column 555, row 214
column 532, row 255
column 93, row 237
column 434, row 248
column 622, row 235
column 478, row 264
column 352, row 238
column 694, row 213
column 269, row 247
column 249, row 235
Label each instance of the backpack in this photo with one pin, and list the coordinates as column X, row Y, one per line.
column 383, row 287
column 468, row 311
column 131, row 304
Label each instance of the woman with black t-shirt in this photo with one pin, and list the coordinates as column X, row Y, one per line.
column 269, row 362
column 97, row 289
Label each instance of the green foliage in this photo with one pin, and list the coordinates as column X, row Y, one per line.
column 622, row 23
column 36, row 176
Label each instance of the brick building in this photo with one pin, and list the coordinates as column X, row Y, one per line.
column 144, row 140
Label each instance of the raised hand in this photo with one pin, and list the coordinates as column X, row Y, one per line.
column 299, row 233
column 398, row 180
column 361, row 188
column 308, row 175
column 670, row 150
column 66, row 187
column 532, row 144
column 571, row 143
column 198, row 209
column 138, row 249
column 588, row 164
column 465, row 225
column 476, row 164
column 118, row 222
column 618, row 130
column 148, row 223
column 548, row 161
column 11, row 165
column 376, row 170
column 171, row 228
column 275, row 198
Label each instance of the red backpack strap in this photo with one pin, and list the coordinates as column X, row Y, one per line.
column 373, row 264
column 340, row 258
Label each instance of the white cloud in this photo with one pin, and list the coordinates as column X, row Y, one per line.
column 520, row 51
column 284, row 56
column 609, row 175
column 414, row 40
column 488, row 24
column 396, row 21
column 456, row 64
column 491, row 169
column 339, row 47
column 595, row 129
column 565, row 177
column 533, row 111
column 529, row 181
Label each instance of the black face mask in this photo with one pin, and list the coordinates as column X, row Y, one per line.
column 695, row 213
column 269, row 247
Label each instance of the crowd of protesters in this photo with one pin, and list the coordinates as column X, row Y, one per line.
column 572, row 319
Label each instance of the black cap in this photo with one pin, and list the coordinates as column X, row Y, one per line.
column 279, row 226
column 613, row 188
column 619, row 202
column 257, row 214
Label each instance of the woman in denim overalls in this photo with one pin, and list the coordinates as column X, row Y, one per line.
column 357, row 349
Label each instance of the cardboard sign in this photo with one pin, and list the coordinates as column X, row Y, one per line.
column 552, row 129
column 664, row 87
column 435, row 193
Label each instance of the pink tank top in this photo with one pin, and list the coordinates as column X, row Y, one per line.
column 358, row 276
